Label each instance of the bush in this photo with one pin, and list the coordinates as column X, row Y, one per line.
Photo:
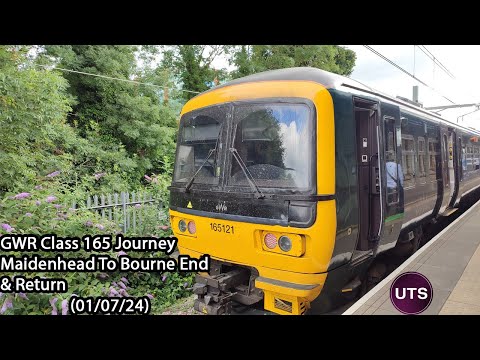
column 45, row 210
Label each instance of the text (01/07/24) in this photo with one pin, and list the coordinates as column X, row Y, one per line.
column 104, row 305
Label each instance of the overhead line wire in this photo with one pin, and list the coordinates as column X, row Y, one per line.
column 405, row 71
column 114, row 78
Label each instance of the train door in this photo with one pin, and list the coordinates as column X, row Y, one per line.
column 453, row 166
column 445, row 171
column 369, row 177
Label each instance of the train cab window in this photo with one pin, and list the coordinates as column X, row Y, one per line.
column 408, row 160
column 422, row 161
column 275, row 143
column 432, row 159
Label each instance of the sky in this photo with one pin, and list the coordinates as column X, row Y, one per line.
column 461, row 60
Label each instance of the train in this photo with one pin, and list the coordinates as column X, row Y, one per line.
column 293, row 181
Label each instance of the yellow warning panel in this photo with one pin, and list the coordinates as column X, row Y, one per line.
column 189, row 205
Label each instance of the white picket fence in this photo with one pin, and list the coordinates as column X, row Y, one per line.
column 120, row 208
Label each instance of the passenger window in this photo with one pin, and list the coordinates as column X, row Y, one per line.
column 422, row 161
column 462, row 157
column 408, row 160
column 432, row 159
column 470, row 164
column 475, row 158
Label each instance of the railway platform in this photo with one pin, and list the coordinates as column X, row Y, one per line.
column 450, row 261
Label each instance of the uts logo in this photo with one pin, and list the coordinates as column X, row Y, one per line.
column 221, row 207
column 411, row 293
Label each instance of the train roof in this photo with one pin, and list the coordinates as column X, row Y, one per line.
column 335, row 81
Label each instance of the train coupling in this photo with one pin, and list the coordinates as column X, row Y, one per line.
column 217, row 291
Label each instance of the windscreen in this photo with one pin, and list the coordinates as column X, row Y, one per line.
column 275, row 143
column 198, row 134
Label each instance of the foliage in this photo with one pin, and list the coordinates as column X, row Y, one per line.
column 33, row 107
column 119, row 112
column 192, row 64
column 45, row 210
column 256, row 58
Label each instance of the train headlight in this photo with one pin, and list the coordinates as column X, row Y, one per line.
column 182, row 225
column 192, row 228
column 270, row 241
column 285, row 243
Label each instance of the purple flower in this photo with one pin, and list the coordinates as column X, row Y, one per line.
column 114, row 284
column 124, row 279
column 120, row 253
column 89, row 223
column 164, row 227
column 23, row 296
column 100, row 226
column 38, row 202
column 28, row 214
column 150, row 296
column 7, row 304
column 164, row 277
column 7, row 228
column 138, row 206
column 148, row 178
column 53, row 301
column 122, row 285
column 99, row 175
column 113, row 292
column 123, row 292
column 65, row 307
column 38, row 187
column 57, row 206
column 53, row 174
column 22, row 195
column 51, row 198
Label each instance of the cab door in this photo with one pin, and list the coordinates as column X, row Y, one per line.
column 369, row 174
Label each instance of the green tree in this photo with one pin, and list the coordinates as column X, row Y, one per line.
column 33, row 107
column 121, row 112
column 192, row 65
column 256, row 58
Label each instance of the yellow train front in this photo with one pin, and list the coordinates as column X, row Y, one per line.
column 255, row 188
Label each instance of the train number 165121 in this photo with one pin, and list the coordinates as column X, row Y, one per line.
column 222, row 228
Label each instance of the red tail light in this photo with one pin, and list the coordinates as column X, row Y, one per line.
column 192, row 228
column 270, row 241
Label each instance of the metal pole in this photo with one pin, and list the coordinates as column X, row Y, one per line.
column 124, row 208
column 443, row 107
column 471, row 112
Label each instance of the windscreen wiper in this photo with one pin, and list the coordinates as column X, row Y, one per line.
column 210, row 152
column 248, row 175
